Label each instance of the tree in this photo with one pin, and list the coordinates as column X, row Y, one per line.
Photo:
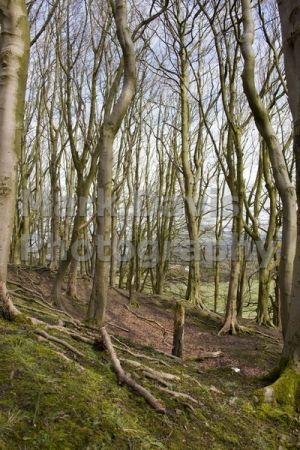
column 14, row 54
column 289, row 380
column 281, row 175
column 115, row 111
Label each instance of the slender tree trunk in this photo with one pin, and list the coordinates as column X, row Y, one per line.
column 230, row 323
column 282, row 180
column 113, row 262
column 14, row 52
column 113, row 117
column 98, row 301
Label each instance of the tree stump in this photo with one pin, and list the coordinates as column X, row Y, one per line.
column 178, row 330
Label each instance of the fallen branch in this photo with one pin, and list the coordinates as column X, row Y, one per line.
column 126, row 379
column 205, row 355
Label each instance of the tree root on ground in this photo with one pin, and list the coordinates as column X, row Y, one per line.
column 285, row 391
column 178, row 394
column 250, row 330
column 138, row 355
column 155, row 373
column 60, row 354
column 230, row 326
column 65, row 344
column 114, row 325
column 43, row 303
column 24, row 288
column 126, row 379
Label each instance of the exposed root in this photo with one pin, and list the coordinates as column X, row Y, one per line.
column 24, row 288
column 160, row 375
column 62, row 355
column 178, row 394
column 140, row 355
column 44, row 303
column 126, row 379
column 156, row 378
column 7, row 309
column 208, row 314
column 265, row 322
column 65, row 344
column 114, row 325
column 260, row 333
column 285, row 391
column 230, row 327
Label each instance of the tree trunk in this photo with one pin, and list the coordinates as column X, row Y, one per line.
column 98, row 300
column 72, row 279
column 281, row 176
column 290, row 362
column 263, row 316
column 14, row 52
column 115, row 111
column 230, row 322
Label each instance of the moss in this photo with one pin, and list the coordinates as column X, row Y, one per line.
column 48, row 403
column 285, row 391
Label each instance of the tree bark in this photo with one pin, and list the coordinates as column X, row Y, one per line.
column 14, row 53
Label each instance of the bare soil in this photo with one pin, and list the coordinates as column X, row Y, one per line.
column 149, row 322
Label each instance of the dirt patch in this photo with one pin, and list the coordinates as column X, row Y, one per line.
column 150, row 323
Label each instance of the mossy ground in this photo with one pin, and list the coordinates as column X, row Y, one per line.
column 49, row 403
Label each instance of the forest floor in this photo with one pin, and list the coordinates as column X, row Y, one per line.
column 53, row 397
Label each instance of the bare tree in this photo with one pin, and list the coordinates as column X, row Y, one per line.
column 14, row 51
column 115, row 111
column 281, row 175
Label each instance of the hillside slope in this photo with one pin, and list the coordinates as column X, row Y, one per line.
column 53, row 397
